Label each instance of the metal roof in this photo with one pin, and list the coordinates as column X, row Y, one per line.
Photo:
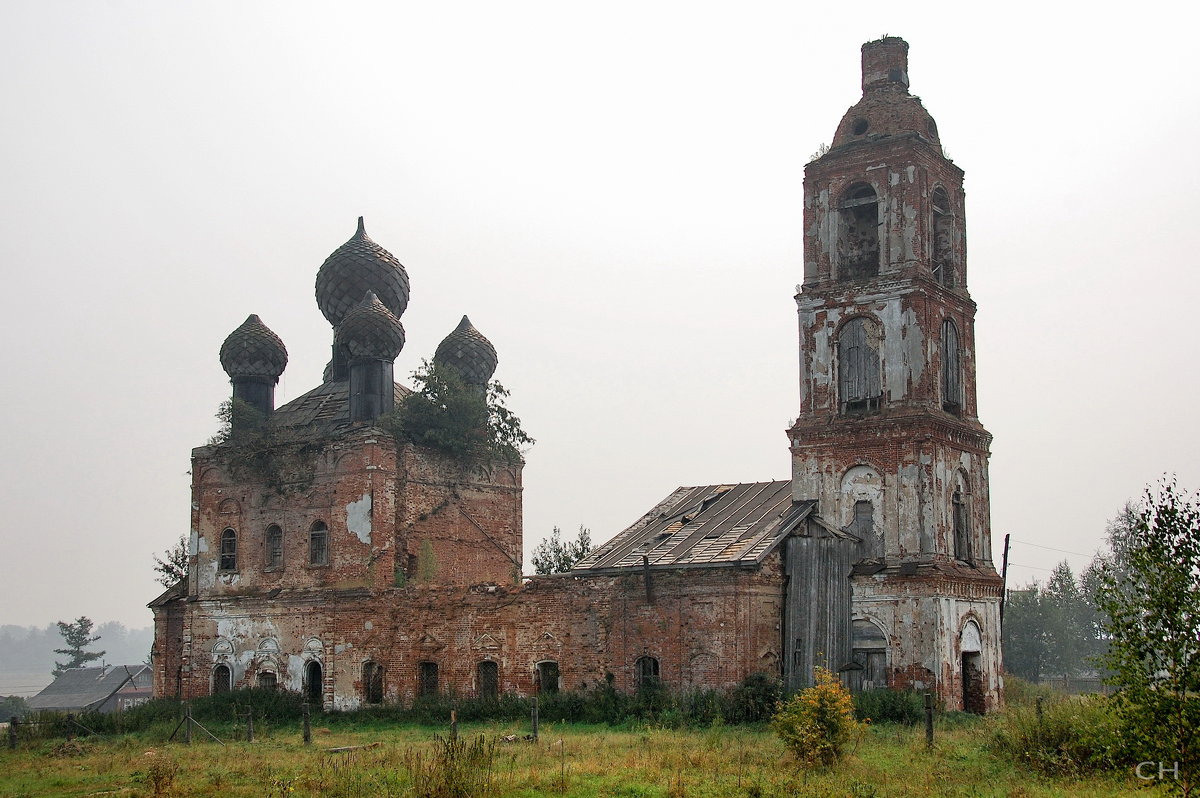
column 327, row 405
column 707, row 525
column 88, row 688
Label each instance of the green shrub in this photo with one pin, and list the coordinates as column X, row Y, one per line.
column 1019, row 692
column 889, row 706
column 818, row 723
column 1070, row 737
column 754, row 699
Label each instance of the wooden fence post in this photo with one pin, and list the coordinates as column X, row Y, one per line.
column 534, row 718
column 929, row 720
column 250, row 725
column 12, row 732
column 307, row 726
column 187, row 723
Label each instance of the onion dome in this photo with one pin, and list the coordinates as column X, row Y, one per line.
column 468, row 352
column 252, row 350
column 358, row 266
column 370, row 330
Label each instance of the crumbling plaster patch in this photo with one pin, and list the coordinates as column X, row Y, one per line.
column 358, row 518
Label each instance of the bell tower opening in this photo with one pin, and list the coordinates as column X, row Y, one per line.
column 858, row 234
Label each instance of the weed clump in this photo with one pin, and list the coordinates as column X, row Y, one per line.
column 1069, row 737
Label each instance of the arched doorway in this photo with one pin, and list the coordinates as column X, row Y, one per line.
column 971, row 647
column 314, row 686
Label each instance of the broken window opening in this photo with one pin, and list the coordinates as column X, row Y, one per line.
column 863, row 527
column 646, row 671
column 962, row 536
column 858, row 368
column 951, row 369
column 228, row 550
column 487, row 674
column 428, row 684
column 267, row 680
column 274, row 546
column 942, row 261
column 222, row 679
column 314, row 683
column 547, row 677
column 858, row 234
column 372, row 679
column 318, row 544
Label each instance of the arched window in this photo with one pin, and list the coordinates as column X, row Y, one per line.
column 428, row 684
column 267, row 680
column 318, row 544
column 314, row 683
column 646, row 671
column 547, row 677
column 962, row 527
column 372, row 679
column 858, row 367
column 951, row 369
column 222, row 679
column 858, row 234
column 943, row 245
column 274, row 546
column 228, row 550
column 488, row 675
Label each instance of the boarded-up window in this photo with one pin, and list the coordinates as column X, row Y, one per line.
column 547, row 677
column 372, row 676
column 488, row 675
column 228, row 550
column 863, row 527
column 646, row 671
column 869, row 657
column 962, row 530
column 222, row 679
column 318, row 544
column 428, row 684
column 274, row 547
column 943, row 261
column 858, row 367
column 858, row 234
column 951, row 369
column 267, row 680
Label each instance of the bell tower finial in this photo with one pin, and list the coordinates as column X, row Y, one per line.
column 885, row 65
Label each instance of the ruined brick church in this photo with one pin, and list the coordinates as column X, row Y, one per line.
column 371, row 570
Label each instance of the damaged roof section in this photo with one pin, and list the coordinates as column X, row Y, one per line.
column 326, row 406
column 707, row 525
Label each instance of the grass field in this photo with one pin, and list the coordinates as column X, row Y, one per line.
column 572, row 760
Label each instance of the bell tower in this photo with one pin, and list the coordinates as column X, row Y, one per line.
column 888, row 439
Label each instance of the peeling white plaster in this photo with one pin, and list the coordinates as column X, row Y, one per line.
column 358, row 518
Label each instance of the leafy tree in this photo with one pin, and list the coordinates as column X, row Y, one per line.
column 446, row 413
column 1065, row 618
column 78, row 637
column 13, row 706
column 172, row 566
column 554, row 555
column 1024, row 633
column 1151, row 601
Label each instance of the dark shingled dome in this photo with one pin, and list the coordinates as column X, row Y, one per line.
column 252, row 350
column 370, row 330
column 358, row 266
column 468, row 352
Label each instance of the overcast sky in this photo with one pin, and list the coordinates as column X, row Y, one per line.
column 612, row 192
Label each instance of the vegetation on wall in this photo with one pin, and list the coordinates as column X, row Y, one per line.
column 448, row 414
column 257, row 452
column 555, row 555
column 173, row 564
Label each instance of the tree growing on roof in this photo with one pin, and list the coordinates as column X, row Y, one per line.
column 78, row 637
column 554, row 555
column 173, row 564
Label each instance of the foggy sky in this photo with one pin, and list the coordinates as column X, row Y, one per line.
column 613, row 193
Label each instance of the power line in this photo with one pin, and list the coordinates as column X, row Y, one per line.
column 1051, row 548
